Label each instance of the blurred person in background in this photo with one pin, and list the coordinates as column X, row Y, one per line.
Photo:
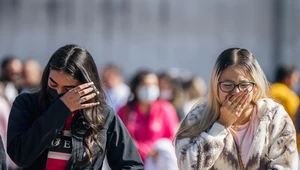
column 2, row 156
column 146, row 117
column 162, row 156
column 117, row 92
column 4, row 114
column 11, row 74
column 286, row 81
column 10, row 82
column 67, row 124
column 171, row 90
column 283, row 91
column 195, row 90
column 5, row 107
column 238, row 126
column 31, row 75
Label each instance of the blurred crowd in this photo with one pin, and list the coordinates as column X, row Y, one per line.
column 169, row 96
column 16, row 77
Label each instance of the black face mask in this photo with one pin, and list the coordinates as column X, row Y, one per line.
column 53, row 95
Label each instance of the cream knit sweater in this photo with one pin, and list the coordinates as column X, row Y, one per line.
column 273, row 145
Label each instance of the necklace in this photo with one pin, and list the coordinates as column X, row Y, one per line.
column 239, row 146
column 244, row 135
column 236, row 127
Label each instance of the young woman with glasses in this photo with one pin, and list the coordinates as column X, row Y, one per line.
column 238, row 126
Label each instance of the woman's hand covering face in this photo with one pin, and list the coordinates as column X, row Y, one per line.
column 79, row 97
column 232, row 108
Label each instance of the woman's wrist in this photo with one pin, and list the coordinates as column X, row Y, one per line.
column 218, row 121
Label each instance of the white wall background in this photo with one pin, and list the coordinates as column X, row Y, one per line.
column 158, row 34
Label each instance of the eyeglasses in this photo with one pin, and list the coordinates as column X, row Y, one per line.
column 229, row 86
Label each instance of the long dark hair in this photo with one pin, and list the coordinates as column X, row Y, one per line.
column 78, row 63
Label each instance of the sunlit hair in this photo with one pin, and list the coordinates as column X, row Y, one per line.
column 78, row 63
column 210, row 108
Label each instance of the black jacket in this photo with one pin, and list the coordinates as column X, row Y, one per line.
column 30, row 133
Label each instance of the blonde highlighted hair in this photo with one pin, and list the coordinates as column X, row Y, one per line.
column 210, row 108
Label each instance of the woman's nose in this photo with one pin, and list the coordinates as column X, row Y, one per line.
column 236, row 90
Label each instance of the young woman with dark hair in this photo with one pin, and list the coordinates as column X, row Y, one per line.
column 67, row 124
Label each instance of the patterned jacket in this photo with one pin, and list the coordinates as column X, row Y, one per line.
column 273, row 145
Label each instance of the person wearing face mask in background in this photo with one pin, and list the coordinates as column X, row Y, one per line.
column 116, row 90
column 146, row 117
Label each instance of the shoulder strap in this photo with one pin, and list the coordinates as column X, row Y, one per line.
column 239, row 158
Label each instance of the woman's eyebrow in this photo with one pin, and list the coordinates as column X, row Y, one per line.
column 241, row 81
column 245, row 81
column 227, row 80
column 69, row 86
column 52, row 80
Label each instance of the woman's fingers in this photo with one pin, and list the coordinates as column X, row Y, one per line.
column 237, row 103
column 83, row 86
column 227, row 101
column 87, row 97
column 85, row 91
column 244, row 100
column 233, row 107
column 241, row 103
column 237, row 97
column 78, row 97
column 88, row 105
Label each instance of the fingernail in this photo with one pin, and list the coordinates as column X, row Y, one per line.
column 91, row 83
column 97, row 103
column 98, row 92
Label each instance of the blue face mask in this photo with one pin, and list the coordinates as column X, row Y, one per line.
column 53, row 95
column 148, row 93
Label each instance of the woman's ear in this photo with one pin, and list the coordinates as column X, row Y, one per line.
column 255, row 89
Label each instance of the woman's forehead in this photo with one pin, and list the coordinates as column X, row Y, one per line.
column 62, row 78
column 235, row 73
column 151, row 79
